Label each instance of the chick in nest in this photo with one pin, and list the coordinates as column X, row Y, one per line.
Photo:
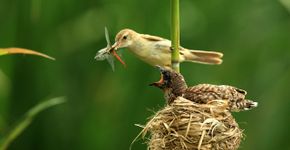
column 174, row 85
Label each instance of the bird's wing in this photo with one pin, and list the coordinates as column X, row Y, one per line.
column 162, row 43
column 152, row 38
column 241, row 91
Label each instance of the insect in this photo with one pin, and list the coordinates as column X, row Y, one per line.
column 108, row 53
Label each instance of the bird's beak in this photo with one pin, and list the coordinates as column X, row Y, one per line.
column 161, row 81
column 158, row 83
column 116, row 46
column 161, row 69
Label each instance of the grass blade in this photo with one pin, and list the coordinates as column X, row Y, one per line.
column 14, row 50
column 26, row 121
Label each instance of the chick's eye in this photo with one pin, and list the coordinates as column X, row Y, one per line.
column 125, row 37
column 166, row 76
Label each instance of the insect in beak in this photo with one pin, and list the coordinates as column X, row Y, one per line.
column 113, row 48
column 113, row 51
column 109, row 52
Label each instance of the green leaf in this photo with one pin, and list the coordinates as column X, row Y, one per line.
column 14, row 50
column 26, row 121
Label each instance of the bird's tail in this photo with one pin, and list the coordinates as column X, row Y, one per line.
column 204, row 57
column 246, row 105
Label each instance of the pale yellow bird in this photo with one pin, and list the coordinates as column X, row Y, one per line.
column 155, row 50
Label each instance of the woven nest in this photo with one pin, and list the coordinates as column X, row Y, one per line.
column 184, row 125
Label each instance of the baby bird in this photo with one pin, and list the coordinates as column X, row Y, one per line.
column 174, row 85
column 155, row 50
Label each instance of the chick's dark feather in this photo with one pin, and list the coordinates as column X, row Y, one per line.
column 174, row 85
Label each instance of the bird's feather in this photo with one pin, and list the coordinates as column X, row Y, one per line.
column 152, row 38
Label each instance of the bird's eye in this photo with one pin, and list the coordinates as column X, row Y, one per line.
column 166, row 76
column 125, row 37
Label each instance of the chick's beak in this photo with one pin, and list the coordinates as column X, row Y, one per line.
column 161, row 81
column 161, row 69
column 158, row 83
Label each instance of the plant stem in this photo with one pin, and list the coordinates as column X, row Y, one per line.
column 27, row 120
column 175, row 35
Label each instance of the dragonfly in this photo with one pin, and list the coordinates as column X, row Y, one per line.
column 108, row 53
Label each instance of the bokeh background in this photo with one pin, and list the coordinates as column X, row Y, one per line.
column 103, row 106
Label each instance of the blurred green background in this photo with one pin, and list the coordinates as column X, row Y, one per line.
column 103, row 106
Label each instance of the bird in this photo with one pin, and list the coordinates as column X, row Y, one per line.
column 155, row 50
column 174, row 85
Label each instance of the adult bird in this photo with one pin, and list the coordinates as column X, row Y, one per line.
column 174, row 85
column 155, row 50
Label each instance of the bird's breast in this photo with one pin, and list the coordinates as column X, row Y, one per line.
column 169, row 96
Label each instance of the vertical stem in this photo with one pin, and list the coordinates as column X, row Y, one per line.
column 175, row 35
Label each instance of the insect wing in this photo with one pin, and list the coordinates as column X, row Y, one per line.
column 107, row 38
column 110, row 60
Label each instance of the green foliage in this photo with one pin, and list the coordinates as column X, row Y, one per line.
column 27, row 120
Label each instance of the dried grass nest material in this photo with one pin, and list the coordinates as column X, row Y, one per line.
column 185, row 125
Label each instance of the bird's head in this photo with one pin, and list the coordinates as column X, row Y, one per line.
column 124, row 38
column 170, row 80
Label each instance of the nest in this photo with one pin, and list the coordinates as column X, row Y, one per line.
column 185, row 125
